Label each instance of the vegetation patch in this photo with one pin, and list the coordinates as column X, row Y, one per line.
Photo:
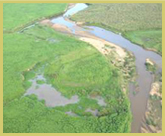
column 40, row 82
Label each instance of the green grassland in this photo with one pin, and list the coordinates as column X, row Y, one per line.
column 140, row 22
column 28, row 13
column 150, row 39
column 80, row 70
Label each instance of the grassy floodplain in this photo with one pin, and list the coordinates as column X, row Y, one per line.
column 72, row 67
column 28, row 13
column 140, row 22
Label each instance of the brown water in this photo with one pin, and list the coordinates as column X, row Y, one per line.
column 144, row 80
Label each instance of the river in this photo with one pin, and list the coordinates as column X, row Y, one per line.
column 144, row 79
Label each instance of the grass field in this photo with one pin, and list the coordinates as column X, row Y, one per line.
column 85, row 71
column 71, row 66
column 138, row 22
column 28, row 13
column 150, row 39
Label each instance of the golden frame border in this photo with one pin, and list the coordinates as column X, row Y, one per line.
column 75, row 1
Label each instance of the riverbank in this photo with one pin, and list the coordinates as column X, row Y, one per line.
column 144, row 29
column 118, row 56
column 152, row 121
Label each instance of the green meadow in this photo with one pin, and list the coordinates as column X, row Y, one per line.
column 16, row 15
column 139, row 22
column 71, row 66
column 150, row 39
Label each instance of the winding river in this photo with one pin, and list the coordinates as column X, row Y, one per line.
column 144, row 79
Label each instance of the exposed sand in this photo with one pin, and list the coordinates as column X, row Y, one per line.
column 100, row 44
column 46, row 22
column 61, row 28
column 57, row 27
column 155, row 89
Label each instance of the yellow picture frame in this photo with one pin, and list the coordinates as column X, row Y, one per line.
column 73, row 1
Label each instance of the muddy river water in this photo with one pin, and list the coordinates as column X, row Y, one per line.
column 144, row 79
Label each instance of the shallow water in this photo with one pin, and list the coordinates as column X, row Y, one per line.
column 93, row 112
column 99, row 100
column 48, row 93
column 70, row 113
column 144, row 80
column 78, row 7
